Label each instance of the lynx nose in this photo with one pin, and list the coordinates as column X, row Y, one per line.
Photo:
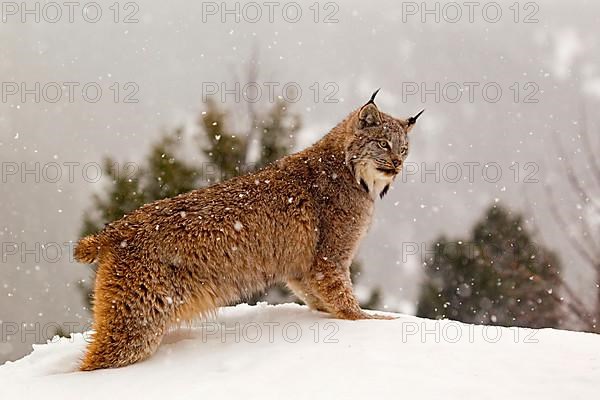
column 397, row 162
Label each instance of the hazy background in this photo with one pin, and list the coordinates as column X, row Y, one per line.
column 172, row 51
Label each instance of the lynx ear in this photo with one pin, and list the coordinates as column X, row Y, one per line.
column 369, row 113
column 410, row 122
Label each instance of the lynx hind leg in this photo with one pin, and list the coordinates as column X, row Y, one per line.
column 129, row 323
column 305, row 293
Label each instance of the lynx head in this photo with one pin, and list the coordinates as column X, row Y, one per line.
column 377, row 146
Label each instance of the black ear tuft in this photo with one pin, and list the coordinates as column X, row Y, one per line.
column 372, row 100
column 413, row 120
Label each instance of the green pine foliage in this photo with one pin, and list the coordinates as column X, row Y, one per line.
column 277, row 133
column 123, row 194
column 224, row 150
column 497, row 276
column 168, row 175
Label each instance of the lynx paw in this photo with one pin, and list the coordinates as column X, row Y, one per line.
column 364, row 315
column 379, row 316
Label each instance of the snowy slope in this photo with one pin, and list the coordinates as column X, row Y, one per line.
column 287, row 351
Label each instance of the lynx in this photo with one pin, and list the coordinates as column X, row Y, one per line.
column 297, row 221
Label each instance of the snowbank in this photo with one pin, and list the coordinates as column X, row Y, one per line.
column 290, row 352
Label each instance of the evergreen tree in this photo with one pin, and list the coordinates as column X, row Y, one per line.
column 166, row 175
column 123, row 195
column 223, row 149
column 498, row 276
column 277, row 133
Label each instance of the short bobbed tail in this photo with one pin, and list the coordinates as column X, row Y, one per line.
column 87, row 249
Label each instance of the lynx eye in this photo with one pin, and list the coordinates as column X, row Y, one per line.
column 384, row 144
column 403, row 150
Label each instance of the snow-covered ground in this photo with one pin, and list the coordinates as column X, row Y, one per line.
column 290, row 352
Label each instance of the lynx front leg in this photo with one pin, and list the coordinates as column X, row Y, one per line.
column 305, row 293
column 334, row 288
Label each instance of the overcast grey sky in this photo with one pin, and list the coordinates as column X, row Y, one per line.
column 543, row 57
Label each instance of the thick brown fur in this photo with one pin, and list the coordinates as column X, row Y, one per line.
column 297, row 221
